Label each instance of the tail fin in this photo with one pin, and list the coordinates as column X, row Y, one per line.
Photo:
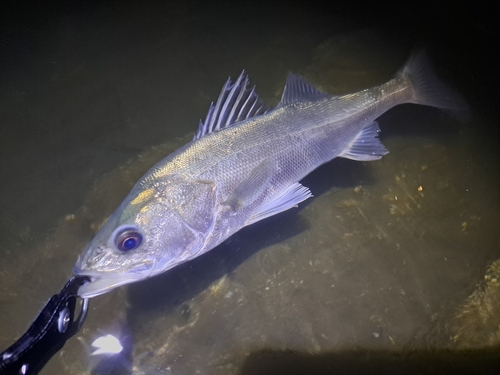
column 428, row 88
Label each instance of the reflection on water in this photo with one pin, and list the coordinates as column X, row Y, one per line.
column 389, row 255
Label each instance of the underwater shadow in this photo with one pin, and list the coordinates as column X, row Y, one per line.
column 364, row 361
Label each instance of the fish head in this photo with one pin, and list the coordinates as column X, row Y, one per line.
column 156, row 228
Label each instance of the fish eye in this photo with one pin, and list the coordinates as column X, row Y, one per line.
column 127, row 238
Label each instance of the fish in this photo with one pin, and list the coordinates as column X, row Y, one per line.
column 243, row 165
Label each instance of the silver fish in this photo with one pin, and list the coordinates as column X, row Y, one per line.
column 242, row 166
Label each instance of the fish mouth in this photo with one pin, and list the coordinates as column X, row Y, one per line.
column 101, row 283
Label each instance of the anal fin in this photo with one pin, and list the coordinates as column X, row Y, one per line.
column 287, row 198
column 366, row 145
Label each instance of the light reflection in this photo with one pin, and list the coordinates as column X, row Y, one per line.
column 108, row 344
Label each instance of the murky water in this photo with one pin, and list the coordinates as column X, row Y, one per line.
column 376, row 266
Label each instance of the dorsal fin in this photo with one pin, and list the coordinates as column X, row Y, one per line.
column 298, row 89
column 236, row 102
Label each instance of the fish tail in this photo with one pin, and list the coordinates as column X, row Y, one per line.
column 428, row 89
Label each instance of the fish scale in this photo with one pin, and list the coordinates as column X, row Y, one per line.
column 244, row 165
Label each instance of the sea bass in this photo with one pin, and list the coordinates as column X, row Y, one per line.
column 244, row 165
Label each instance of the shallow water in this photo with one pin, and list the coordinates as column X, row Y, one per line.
column 379, row 262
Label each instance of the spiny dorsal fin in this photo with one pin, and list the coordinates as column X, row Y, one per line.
column 236, row 103
column 298, row 89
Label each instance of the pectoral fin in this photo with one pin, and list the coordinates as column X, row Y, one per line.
column 255, row 185
column 252, row 186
